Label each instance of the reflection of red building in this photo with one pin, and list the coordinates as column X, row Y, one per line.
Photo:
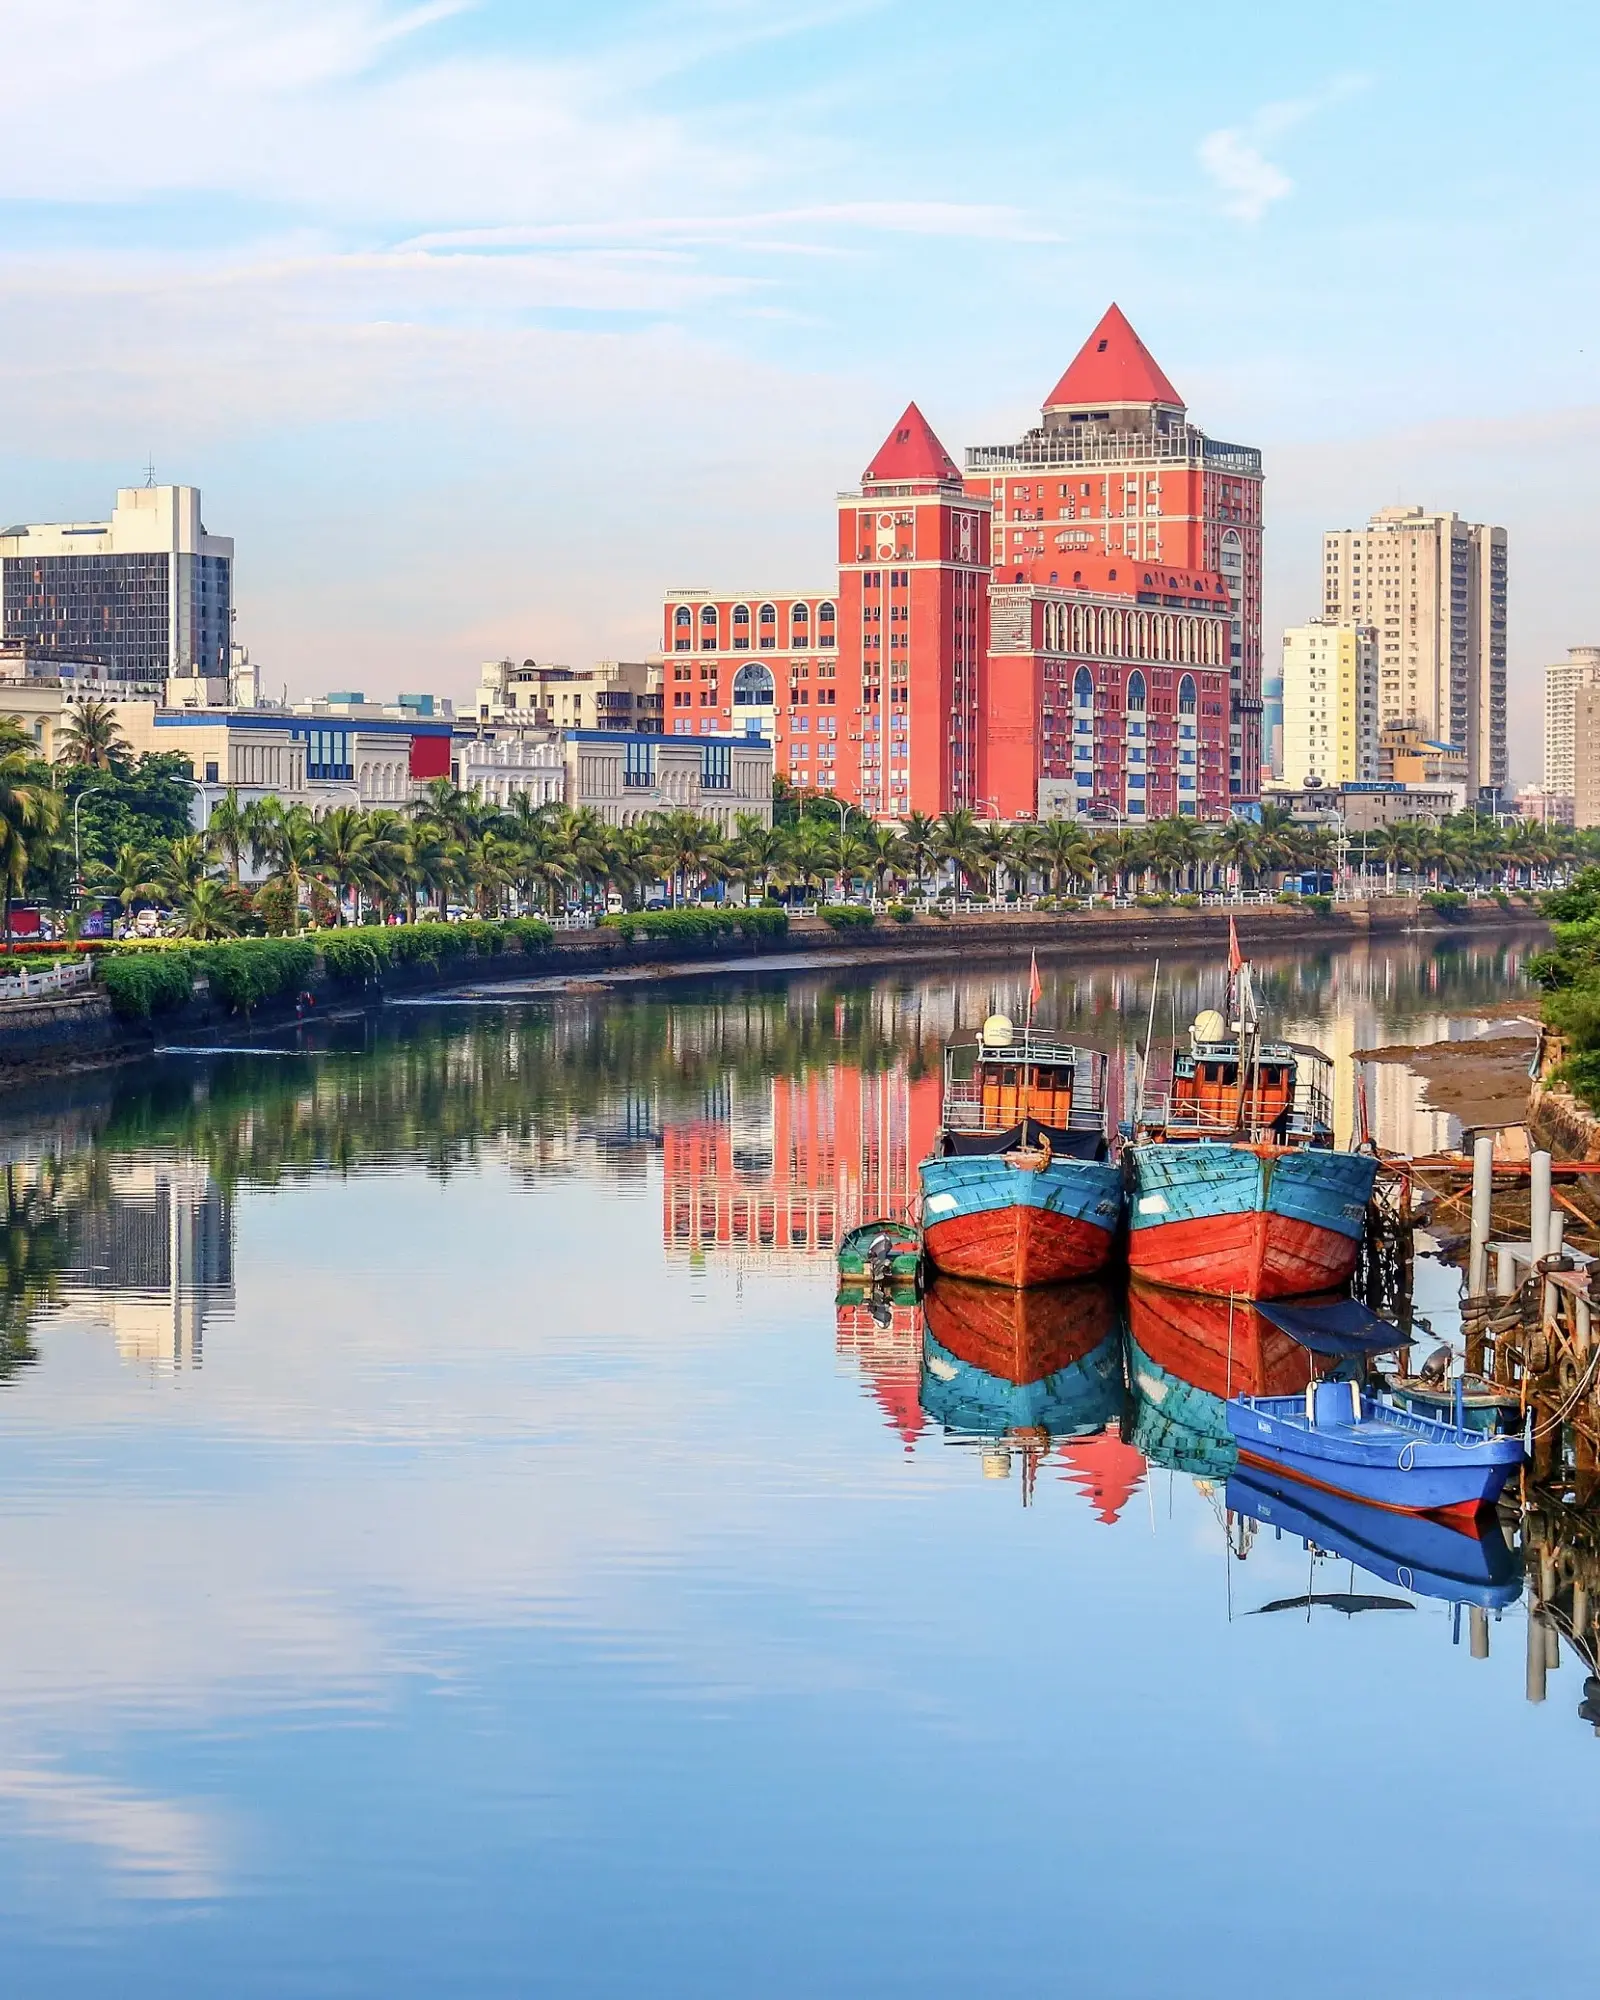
column 1106, row 1470
column 890, row 1357
column 824, row 1152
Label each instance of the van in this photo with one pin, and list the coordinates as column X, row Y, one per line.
column 614, row 904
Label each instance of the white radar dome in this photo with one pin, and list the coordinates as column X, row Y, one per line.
column 1209, row 1026
column 997, row 1032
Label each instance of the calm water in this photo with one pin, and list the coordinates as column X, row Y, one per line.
column 454, row 1544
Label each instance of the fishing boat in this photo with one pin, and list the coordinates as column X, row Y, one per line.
column 1236, row 1186
column 886, row 1252
column 1038, row 1364
column 1343, row 1441
column 1464, row 1562
column 1467, row 1399
column 1020, row 1189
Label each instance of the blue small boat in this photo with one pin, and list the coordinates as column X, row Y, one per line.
column 1336, row 1438
column 1463, row 1563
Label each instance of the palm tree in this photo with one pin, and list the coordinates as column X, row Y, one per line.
column 228, row 831
column 346, row 854
column 130, row 878
column 756, row 851
column 1239, row 845
column 292, row 848
column 884, row 852
column 210, row 909
column 809, row 854
column 94, row 738
column 27, row 811
column 1064, row 851
column 961, row 844
column 919, row 836
column 684, row 840
column 181, row 866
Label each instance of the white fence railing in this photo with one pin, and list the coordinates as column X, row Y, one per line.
column 54, row 979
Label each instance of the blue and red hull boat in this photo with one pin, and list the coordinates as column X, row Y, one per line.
column 1020, row 1189
column 1017, row 1219
column 1246, row 1220
column 1342, row 1441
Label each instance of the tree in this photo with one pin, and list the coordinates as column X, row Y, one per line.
column 291, row 845
column 919, row 836
column 345, row 855
column 181, row 868
column 884, row 853
column 210, row 909
column 94, row 738
column 1065, row 852
column 961, row 844
column 130, row 878
column 28, row 810
column 143, row 807
column 228, row 832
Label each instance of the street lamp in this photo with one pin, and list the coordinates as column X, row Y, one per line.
column 77, row 832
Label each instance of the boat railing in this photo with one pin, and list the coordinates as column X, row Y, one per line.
column 964, row 1107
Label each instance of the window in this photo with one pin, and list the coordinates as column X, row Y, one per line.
column 709, row 615
column 716, row 766
column 638, row 763
column 1136, row 692
column 741, row 614
column 1083, row 689
column 684, row 616
column 754, row 687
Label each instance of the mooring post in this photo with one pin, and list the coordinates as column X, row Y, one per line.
column 1539, row 1205
column 1505, row 1272
column 1535, row 1676
column 1480, row 1633
column 1482, row 1200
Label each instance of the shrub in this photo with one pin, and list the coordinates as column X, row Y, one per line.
column 846, row 917
column 1320, row 906
column 141, row 983
column 1153, row 902
column 685, row 926
column 350, row 958
column 528, row 934
column 1447, row 903
column 1186, row 902
column 762, row 923
column 244, row 973
column 902, row 913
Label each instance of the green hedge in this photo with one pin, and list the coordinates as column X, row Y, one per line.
column 902, row 913
column 699, row 926
column 141, row 983
column 247, row 971
column 1447, row 903
column 358, row 955
column 846, row 917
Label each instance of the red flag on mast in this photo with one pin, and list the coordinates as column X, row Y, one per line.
column 1235, row 955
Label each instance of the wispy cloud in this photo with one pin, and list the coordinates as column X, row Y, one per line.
column 1235, row 159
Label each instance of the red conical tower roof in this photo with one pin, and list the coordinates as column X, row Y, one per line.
column 1112, row 367
column 910, row 451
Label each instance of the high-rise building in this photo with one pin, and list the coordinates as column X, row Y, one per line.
column 1433, row 587
column 1586, row 758
column 913, row 628
column 147, row 594
column 1562, row 680
column 1330, row 704
column 1115, row 469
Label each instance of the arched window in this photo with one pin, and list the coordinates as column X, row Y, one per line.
column 1083, row 688
column 799, row 614
column 1136, row 693
column 1186, row 695
column 825, row 613
column 768, row 615
column 754, row 687
column 741, row 614
column 709, row 615
column 684, row 616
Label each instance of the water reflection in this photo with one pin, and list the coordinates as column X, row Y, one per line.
column 544, row 1508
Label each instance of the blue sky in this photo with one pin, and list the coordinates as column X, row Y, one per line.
column 481, row 324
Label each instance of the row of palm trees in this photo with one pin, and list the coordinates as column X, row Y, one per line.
column 452, row 850
column 264, row 864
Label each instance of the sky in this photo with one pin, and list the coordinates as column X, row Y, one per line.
column 479, row 325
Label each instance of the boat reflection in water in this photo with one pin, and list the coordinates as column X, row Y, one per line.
column 1030, row 1370
column 1187, row 1353
column 1462, row 1562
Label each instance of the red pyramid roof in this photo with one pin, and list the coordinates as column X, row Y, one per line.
column 1112, row 366
column 1105, row 1470
column 910, row 451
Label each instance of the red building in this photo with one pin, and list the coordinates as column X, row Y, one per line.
column 1114, row 469
column 1071, row 627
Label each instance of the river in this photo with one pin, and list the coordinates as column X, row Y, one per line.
column 455, row 1544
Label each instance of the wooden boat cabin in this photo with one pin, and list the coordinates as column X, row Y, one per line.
column 1269, row 1093
column 1007, row 1091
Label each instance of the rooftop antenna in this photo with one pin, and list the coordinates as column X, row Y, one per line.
column 149, row 472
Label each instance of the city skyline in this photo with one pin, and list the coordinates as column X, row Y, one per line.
column 479, row 332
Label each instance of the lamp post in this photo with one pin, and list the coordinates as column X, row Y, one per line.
column 77, row 833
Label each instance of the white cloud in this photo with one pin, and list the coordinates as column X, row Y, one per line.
column 1234, row 160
